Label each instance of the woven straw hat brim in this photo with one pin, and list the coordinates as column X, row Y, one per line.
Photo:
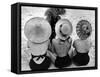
column 37, row 30
column 81, row 32
column 57, row 28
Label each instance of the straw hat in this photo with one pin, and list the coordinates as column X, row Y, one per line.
column 63, row 28
column 37, row 30
column 83, row 29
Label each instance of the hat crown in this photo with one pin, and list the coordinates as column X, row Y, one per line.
column 39, row 30
column 65, row 29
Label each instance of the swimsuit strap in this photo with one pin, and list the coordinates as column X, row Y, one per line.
column 39, row 56
column 68, row 39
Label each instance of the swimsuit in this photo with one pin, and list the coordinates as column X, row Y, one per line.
column 61, row 62
column 81, row 59
column 64, row 61
column 43, row 66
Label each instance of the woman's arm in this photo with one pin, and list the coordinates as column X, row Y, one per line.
column 74, row 49
column 70, row 40
column 52, row 56
column 51, row 46
column 74, row 44
column 51, row 51
column 70, row 52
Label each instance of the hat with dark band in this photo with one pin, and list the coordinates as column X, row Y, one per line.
column 63, row 28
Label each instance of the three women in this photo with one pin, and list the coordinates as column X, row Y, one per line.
column 43, row 51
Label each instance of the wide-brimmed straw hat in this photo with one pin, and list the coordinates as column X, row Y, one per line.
column 83, row 29
column 37, row 30
column 63, row 28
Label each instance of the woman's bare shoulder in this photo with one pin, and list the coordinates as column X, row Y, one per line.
column 54, row 40
column 76, row 41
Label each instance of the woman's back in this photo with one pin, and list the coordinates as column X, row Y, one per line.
column 61, row 48
column 82, row 46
